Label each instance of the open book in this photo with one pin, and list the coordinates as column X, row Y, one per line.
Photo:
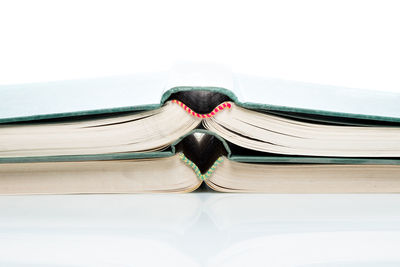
column 233, row 132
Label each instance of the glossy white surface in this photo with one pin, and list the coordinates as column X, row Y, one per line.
column 200, row 229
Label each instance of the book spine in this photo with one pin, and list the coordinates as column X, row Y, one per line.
column 207, row 115
column 196, row 169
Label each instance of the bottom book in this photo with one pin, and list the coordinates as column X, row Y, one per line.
column 179, row 174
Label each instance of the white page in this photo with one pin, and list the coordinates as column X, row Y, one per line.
column 81, row 95
column 144, row 89
column 317, row 97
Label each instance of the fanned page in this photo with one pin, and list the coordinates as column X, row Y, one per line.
column 149, row 175
column 152, row 131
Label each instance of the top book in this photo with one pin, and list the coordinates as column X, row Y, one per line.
column 213, row 119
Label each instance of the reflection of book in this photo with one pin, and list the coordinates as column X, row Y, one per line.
column 237, row 133
column 306, row 230
column 301, row 212
column 340, row 248
column 96, row 230
column 202, row 229
column 177, row 212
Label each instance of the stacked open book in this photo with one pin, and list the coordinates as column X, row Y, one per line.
column 233, row 132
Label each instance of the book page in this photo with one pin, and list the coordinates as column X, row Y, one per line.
column 317, row 97
column 80, row 96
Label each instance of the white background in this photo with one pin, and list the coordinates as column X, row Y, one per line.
column 349, row 43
